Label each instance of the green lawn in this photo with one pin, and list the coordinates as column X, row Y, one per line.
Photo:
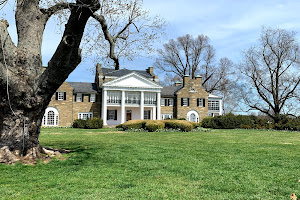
column 105, row 164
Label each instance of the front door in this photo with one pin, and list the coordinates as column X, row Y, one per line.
column 128, row 115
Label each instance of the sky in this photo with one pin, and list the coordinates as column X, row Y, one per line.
column 232, row 26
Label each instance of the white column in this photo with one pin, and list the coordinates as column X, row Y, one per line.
column 104, row 106
column 158, row 106
column 123, row 107
column 142, row 105
column 221, row 107
column 154, row 113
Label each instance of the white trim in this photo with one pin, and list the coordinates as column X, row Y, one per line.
column 45, row 120
column 89, row 115
column 188, row 115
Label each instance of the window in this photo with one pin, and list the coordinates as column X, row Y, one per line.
column 150, row 98
column 200, row 102
column 170, row 102
column 167, row 116
column 213, row 105
column 185, row 102
column 79, row 97
column 147, row 114
column 50, row 117
column 133, row 97
column 167, row 102
column 193, row 117
column 111, row 114
column 60, row 96
column 92, row 97
column 162, row 102
column 85, row 115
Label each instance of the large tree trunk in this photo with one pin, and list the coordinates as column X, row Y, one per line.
column 25, row 90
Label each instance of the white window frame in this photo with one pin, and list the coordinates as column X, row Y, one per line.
column 85, row 115
column 93, row 98
column 162, row 102
column 185, row 101
column 60, row 96
column 79, row 97
column 167, row 116
column 45, row 121
column 170, row 102
column 214, row 105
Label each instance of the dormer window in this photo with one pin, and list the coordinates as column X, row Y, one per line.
column 78, row 97
column 93, row 98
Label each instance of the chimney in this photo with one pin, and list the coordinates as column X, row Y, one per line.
column 98, row 75
column 150, row 70
column 156, row 79
column 199, row 80
column 177, row 83
column 186, row 79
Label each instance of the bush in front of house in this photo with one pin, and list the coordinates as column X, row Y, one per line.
column 184, row 126
column 154, row 125
column 133, row 124
column 288, row 124
column 94, row 123
column 231, row 121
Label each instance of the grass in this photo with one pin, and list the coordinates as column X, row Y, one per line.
column 105, row 164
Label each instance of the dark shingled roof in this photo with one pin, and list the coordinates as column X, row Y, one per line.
column 123, row 72
column 79, row 87
column 169, row 91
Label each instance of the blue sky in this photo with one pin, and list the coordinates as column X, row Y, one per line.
column 231, row 25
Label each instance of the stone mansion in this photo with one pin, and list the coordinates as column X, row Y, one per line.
column 117, row 96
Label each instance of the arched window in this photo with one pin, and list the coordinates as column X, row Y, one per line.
column 193, row 116
column 51, row 117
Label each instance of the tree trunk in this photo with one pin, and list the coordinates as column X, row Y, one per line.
column 25, row 90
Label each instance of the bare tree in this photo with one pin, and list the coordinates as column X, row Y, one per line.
column 127, row 28
column 25, row 89
column 272, row 72
column 194, row 56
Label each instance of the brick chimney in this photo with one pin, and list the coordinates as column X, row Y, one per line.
column 98, row 75
column 177, row 83
column 156, row 79
column 186, row 79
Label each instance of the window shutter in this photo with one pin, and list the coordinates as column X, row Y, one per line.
column 166, row 102
column 107, row 113
column 82, row 97
column 65, row 95
column 188, row 101
column 203, row 102
column 116, row 114
column 95, row 97
column 75, row 97
column 181, row 101
column 89, row 97
column 198, row 102
column 56, row 95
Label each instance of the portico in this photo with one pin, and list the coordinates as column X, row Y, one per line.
column 130, row 97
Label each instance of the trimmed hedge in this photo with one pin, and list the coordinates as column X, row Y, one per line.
column 94, row 123
column 231, row 121
column 184, row 126
column 153, row 125
column 133, row 124
column 288, row 124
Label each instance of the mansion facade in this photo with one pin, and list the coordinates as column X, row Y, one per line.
column 117, row 96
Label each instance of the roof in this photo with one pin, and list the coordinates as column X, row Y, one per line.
column 169, row 91
column 79, row 87
column 123, row 72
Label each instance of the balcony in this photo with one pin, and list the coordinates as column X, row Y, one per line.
column 113, row 101
column 149, row 102
column 132, row 101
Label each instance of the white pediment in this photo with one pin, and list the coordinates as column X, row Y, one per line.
column 132, row 80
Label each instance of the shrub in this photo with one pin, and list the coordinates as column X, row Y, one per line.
column 94, row 123
column 133, row 124
column 153, row 125
column 79, row 123
column 288, row 124
column 179, row 124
